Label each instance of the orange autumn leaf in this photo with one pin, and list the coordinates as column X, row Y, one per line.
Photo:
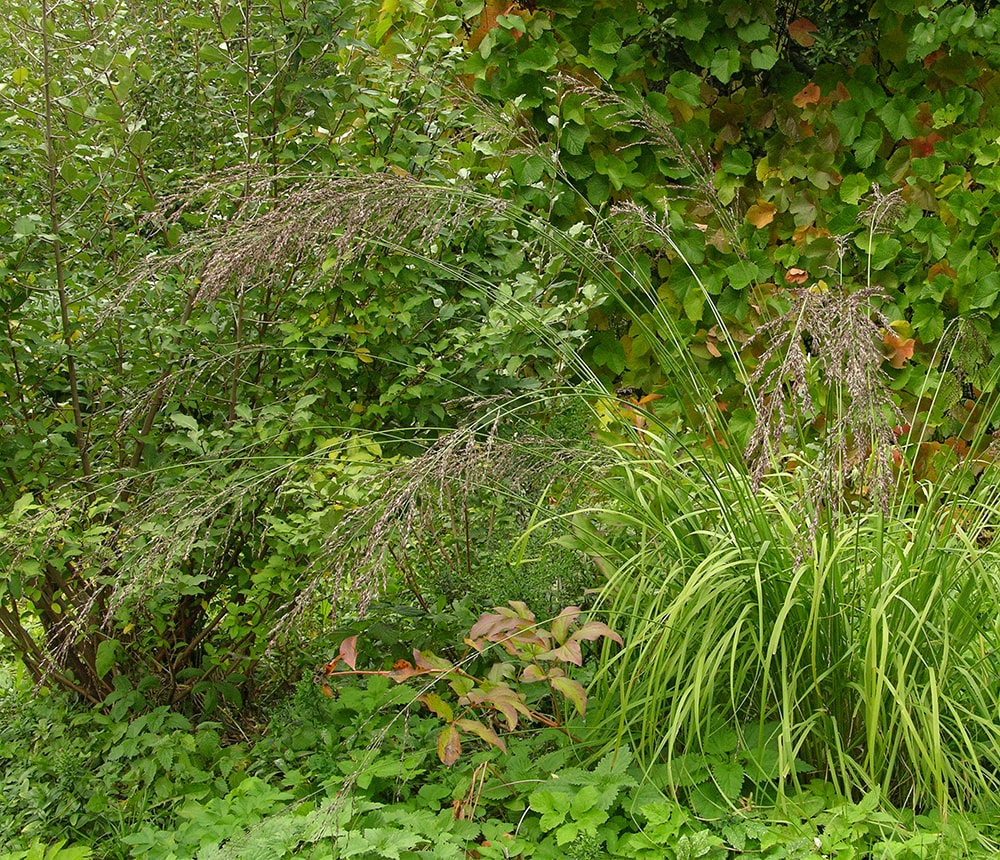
column 808, row 95
column 801, row 30
column 761, row 214
column 941, row 268
column 796, row 275
column 898, row 350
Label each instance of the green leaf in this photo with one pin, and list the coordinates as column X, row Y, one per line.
column 742, row 274
column 107, row 650
column 551, row 805
column 196, row 22
column 853, row 187
column 183, row 421
column 692, row 23
column 898, row 115
column 25, row 226
column 725, row 64
column 527, row 169
column 737, row 162
column 764, row 58
column 438, row 705
column 604, row 37
column 728, row 776
column 232, row 21
column 868, row 144
column 449, row 746
column 610, row 353
column 484, row 732
column 928, row 321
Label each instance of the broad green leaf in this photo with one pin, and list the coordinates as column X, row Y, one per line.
column 183, row 421
column 604, row 37
column 107, row 650
column 553, row 807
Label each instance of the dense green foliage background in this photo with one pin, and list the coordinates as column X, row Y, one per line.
column 319, row 314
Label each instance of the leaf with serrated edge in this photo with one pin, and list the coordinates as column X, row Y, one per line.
column 428, row 660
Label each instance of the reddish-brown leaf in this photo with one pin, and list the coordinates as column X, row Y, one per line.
column 568, row 652
column 800, row 30
column 898, row 350
column 595, row 630
column 796, row 276
column 349, row 651
column 808, row 95
column 563, row 621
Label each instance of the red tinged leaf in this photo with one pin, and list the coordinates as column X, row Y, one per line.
column 532, row 674
column 801, row 30
column 349, row 651
column 568, row 653
column 326, row 690
column 898, row 350
column 402, row 670
column 430, row 662
column 573, row 691
column 563, row 621
column 808, row 95
column 481, row 731
column 449, row 746
column 595, row 630
column 796, row 276
column 438, row 705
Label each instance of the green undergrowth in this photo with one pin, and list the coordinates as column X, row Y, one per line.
column 357, row 774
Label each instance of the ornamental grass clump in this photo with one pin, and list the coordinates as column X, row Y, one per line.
column 873, row 650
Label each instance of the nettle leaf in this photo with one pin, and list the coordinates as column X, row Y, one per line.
column 728, row 776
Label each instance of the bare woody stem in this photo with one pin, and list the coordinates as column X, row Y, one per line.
column 67, row 329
